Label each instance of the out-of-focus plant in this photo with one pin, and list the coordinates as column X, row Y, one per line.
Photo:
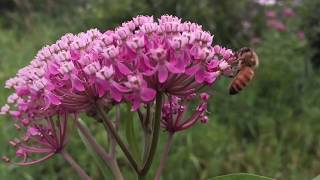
column 311, row 15
column 161, row 70
column 277, row 15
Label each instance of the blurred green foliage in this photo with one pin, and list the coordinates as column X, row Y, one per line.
column 312, row 21
column 271, row 128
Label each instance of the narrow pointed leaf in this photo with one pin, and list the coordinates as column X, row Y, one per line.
column 240, row 176
column 131, row 136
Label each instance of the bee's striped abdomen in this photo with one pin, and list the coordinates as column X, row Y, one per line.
column 241, row 80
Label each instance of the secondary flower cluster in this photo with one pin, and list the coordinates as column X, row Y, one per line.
column 274, row 20
column 175, row 110
column 278, row 15
column 132, row 64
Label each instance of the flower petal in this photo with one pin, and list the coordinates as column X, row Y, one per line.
column 200, row 76
column 123, row 69
column 146, row 61
column 147, row 94
column 136, row 104
column 119, row 87
column 116, row 95
column 53, row 99
column 211, row 77
column 102, row 87
column 53, row 69
column 171, row 67
column 77, row 84
column 162, row 74
column 193, row 69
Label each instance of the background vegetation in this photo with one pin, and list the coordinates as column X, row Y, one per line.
column 272, row 128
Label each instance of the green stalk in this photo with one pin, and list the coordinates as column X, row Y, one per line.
column 155, row 137
column 109, row 127
column 131, row 136
column 164, row 156
column 75, row 166
column 97, row 151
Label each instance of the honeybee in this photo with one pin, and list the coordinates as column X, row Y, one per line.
column 247, row 61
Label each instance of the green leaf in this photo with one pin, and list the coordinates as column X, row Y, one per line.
column 91, row 151
column 131, row 136
column 316, row 178
column 240, row 176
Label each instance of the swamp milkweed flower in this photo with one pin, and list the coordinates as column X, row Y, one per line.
column 130, row 64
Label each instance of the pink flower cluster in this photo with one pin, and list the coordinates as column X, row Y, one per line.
column 276, row 21
column 132, row 64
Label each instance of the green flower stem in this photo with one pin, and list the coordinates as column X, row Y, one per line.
column 155, row 137
column 147, row 132
column 110, row 160
column 109, row 127
column 147, row 117
column 164, row 156
column 116, row 124
column 75, row 165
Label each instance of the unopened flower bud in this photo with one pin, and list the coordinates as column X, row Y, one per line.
column 20, row 153
column 5, row 109
column 204, row 119
column 5, row 159
column 204, row 96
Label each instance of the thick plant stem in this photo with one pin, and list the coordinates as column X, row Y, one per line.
column 141, row 177
column 75, row 165
column 115, row 169
column 164, row 156
column 155, row 136
column 109, row 126
column 110, row 161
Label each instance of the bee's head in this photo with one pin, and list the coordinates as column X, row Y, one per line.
column 248, row 57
